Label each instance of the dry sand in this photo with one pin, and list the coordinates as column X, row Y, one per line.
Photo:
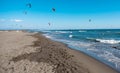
column 23, row 52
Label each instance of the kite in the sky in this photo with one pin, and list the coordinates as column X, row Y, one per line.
column 49, row 23
column 53, row 9
column 29, row 5
column 25, row 12
column 89, row 20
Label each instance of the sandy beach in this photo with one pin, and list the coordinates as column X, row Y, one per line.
column 24, row 52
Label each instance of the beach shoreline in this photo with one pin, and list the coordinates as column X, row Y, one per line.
column 30, row 52
column 78, row 51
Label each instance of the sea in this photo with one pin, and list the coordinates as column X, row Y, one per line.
column 101, row 44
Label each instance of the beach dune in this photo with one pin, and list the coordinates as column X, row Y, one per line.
column 24, row 52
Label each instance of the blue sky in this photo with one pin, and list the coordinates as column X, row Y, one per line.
column 70, row 14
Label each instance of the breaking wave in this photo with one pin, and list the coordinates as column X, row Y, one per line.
column 81, row 31
column 63, row 31
column 70, row 36
column 108, row 41
column 104, row 41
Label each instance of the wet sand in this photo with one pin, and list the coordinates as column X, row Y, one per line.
column 23, row 52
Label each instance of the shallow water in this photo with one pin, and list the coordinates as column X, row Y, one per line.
column 104, row 45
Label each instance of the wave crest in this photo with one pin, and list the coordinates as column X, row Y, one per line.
column 82, row 31
column 63, row 31
column 108, row 41
column 104, row 41
column 70, row 36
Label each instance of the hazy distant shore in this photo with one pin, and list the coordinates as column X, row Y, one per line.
column 23, row 52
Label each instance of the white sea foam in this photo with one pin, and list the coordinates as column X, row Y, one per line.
column 63, row 31
column 47, row 36
column 70, row 36
column 81, row 31
column 108, row 41
column 92, row 49
column 90, row 38
column 79, row 44
column 111, row 58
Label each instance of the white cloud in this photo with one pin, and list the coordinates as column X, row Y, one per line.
column 16, row 20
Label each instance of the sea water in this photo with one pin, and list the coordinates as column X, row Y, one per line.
column 102, row 44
